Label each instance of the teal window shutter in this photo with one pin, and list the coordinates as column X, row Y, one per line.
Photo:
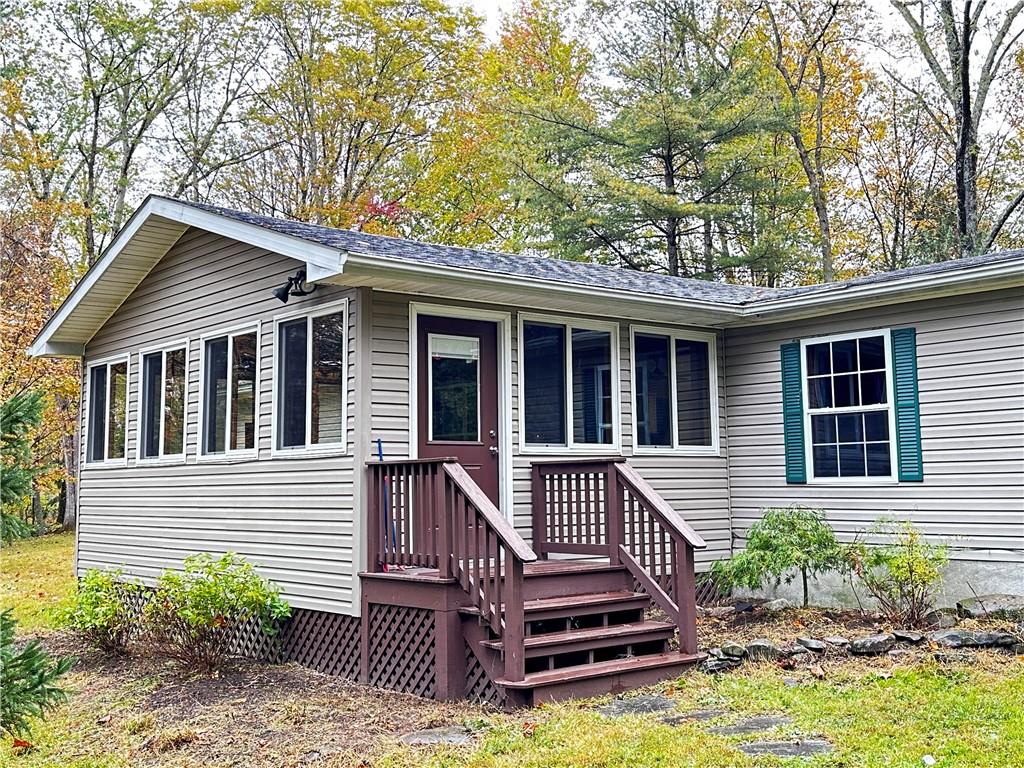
column 908, row 406
column 793, row 413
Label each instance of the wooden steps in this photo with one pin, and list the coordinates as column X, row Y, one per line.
column 589, row 639
column 579, row 605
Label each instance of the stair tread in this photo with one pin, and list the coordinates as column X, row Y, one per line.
column 562, row 567
column 603, row 668
column 568, row 602
column 590, row 633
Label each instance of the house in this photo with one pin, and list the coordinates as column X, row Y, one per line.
column 471, row 473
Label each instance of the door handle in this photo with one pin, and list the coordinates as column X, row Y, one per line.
column 494, row 450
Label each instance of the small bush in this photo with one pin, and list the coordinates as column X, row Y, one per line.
column 193, row 612
column 104, row 610
column 28, row 680
column 901, row 573
column 784, row 543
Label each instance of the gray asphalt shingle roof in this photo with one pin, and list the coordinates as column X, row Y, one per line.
column 573, row 272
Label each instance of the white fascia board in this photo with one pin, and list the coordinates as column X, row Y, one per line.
column 318, row 258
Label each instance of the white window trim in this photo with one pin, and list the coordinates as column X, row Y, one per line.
column 106, row 463
column 227, row 455
column 161, row 457
column 328, row 449
column 430, row 390
column 676, row 449
column 560, row 449
column 890, row 406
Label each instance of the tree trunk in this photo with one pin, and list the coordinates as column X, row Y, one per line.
column 70, row 447
column 709, row 250
column 966, row 148
column 38, row 520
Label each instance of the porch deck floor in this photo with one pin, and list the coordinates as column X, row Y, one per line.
column 539, row 568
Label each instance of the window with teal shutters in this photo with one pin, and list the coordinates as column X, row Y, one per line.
column 908, row 406
column 793, row 414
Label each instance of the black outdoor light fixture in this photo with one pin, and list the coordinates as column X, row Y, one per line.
column 294, row 287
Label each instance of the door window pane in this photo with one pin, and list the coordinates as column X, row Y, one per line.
column 215, row 395
column 97, row 412
column 543, row 397
column 653, row 390
column 454, row 388
column 152, row 379
column 117, row 410
column 693, row 392
column 243, row 391
column 328, row 379
column 591, row 386
column 174, row 402
column 292, row 384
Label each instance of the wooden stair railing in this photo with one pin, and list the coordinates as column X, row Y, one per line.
column 430, row 513
column 604, row 507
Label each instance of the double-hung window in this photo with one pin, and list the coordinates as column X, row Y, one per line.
column 311, row 380
column 230, row 392
column 675, row 383
column 569, row 390
column 849, row 406
column 108, row 411
column 162, row 402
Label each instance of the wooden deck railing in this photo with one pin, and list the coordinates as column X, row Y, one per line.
column 430, row 513
column 604, row 507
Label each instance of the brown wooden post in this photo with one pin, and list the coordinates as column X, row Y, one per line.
column 364, row 641
column 686, row 598
column 445, row 520
column 540, row 512
column 615, row 511
column 515, row 653
column 450, row 656
column 373, row 522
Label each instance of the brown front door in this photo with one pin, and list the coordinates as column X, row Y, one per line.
column 457, row 396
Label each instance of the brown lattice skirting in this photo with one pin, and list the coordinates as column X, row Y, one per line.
column 402, row 649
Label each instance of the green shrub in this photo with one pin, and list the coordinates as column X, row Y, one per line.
column 28, row 680
column 13, row 528
column 193, row 612
column 104, row 610
column 784, row 543
column 902, row 572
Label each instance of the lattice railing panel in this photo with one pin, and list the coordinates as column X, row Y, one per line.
column 479, row 686
column 402, row 649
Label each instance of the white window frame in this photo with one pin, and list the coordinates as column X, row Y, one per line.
column 889, row 405
column 126, row 358
column 227, row 454
column 570, row 445
column 674, row 334
column 430, row 388
column 161, row 457
column 327, row 449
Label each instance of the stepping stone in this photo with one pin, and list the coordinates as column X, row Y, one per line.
column 762, row 649
column 774, row 606
column 733, row 650
column 953, row 638
column 452, row 734
column 754, row 724
column 907, row 635
column 839, row 642
column 811, row 644
column 694, row 716
column 637, row 705
column 873, row 645
column 803, row 748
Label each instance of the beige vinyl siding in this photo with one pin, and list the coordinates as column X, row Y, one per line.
column 970, row 354
column 696, row 486
column 292, row 517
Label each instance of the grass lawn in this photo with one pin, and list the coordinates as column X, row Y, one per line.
column 35, row 576
column 141, row 711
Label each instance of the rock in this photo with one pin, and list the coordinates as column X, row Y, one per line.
column 754, row 724
column 719, row 611
column 716, row 653
column 762, row 650
column 733, row 650
column 998, row 606
column 990, row 639
column 794, row 650
column 838, row 642
column 817, row 646
column 637, row 705
column 716, row 666
column 953, row 638
column 942, row 618
column 453, row 734
column 956, row 657
column 743, row 607
column 873, row 645
column 798, row 748
column 774, row 606
column 899, row 653
column 907, row 636
column 695, row 715
column 1018, row 648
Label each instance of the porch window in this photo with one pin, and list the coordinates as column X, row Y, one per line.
column 108, row 411
column 311, row 381
column 848, row 406
column 230, row 392
column 568, row 384
column 162, row 423
column 676, row 399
